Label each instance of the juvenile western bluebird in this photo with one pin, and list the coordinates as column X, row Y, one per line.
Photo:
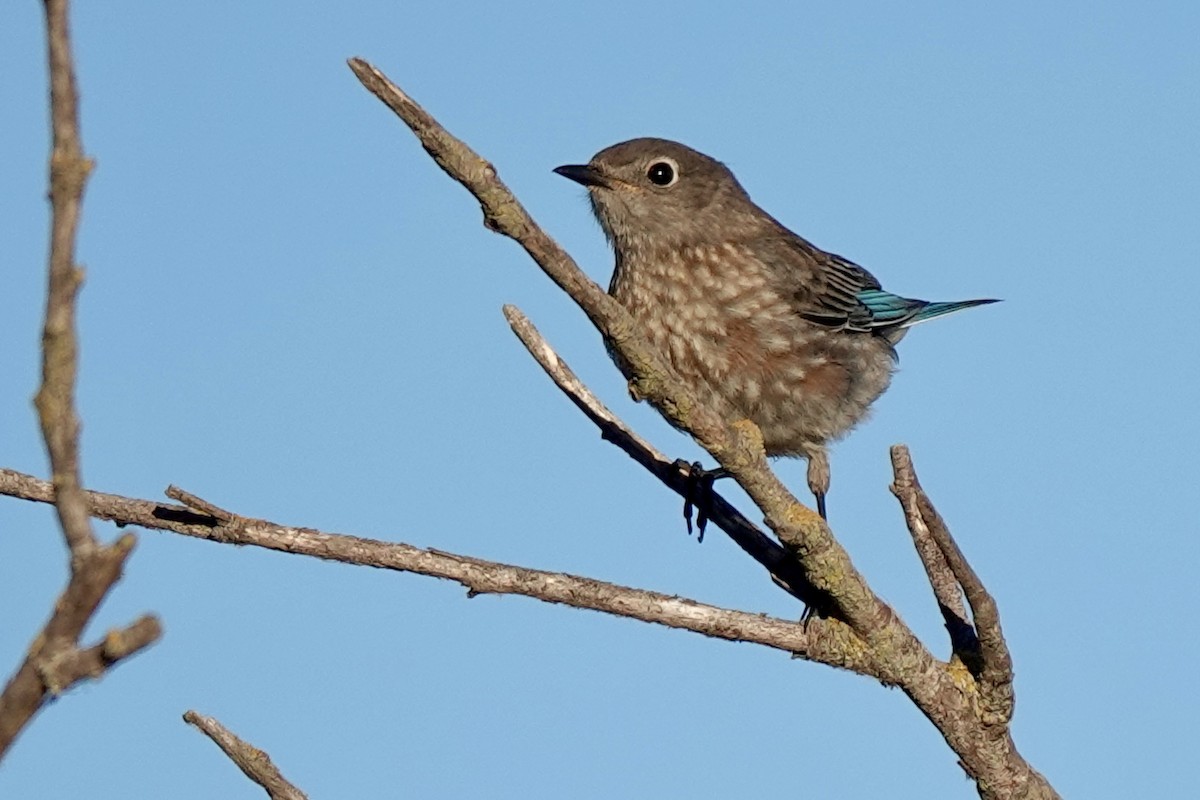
column 758, row 322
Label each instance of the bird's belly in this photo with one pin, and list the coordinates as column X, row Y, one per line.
column 802, row 385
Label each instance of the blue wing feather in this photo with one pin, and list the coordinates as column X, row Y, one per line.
column 836, row 293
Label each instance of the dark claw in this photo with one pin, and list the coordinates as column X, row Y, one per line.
column 821, row 506
column 698, row 495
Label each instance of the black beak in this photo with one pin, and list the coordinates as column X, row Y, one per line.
column 582, row 173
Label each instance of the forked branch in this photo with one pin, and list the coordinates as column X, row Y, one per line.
column 55, row 661
column 982, row 646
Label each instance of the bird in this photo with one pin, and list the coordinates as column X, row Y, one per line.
column 757, row 321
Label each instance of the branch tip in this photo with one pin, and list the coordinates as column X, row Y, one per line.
column 254, row 763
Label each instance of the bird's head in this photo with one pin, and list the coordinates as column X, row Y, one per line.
column 655, row 193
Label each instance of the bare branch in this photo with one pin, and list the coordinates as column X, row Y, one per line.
column 54, row 661
column 941, row 578
column 55, row 399
column 830, row 644
column 255, row 763
column 996, row 670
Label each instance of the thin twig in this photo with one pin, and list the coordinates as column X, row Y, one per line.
column 255, row 763
column 780, row 564
column 941, row 578
column 200, row 504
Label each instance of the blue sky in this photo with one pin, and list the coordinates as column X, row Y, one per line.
column 291, row 312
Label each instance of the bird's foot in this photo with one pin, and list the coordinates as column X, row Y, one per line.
column 698, row 494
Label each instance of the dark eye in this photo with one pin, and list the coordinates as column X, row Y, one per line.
column 661, row 173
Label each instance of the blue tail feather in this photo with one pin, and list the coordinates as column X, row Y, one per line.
column 941, row 309
column 893, row 311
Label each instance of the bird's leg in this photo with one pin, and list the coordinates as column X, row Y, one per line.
column 818, row 477
column 698, row 494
